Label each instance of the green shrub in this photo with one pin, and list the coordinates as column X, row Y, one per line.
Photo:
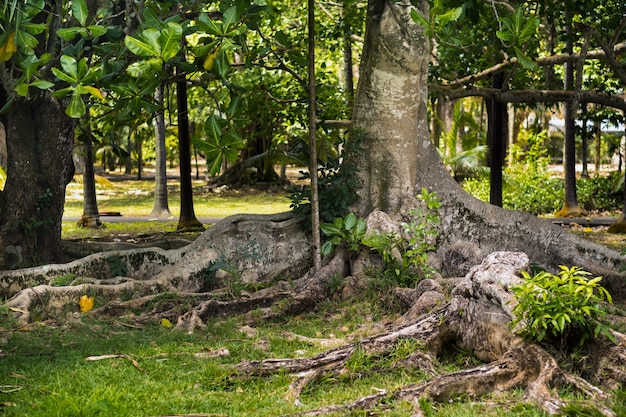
column 413, row 245
column 338, row 183
column 349, row 230
column 561, row 307
column 529, row 186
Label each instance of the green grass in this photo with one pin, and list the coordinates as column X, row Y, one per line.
column 136, row 198
column 45, row 372
column 133, row 198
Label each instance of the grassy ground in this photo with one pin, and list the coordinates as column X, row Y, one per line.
column 136, row 198
column 45, row 371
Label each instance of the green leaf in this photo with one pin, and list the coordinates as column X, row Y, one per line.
column 231, row 16
column 235, row 105
column 97, row 30
column 525, row 62
column 212, row 128
column 529, row 29
column 505, row 36
column 419, row 19
column 70, row 66
column 209, row 25
column 63, row 76
column 330, row 229
column 7, row 106
column 327, row 248
column 67, row 34
column 79, row 11
column 140, row 48
column 170, row 40
column 22, row 89
column 42, row 84
column 25, row 40
column 350, row 221
column 450, row 16
column 221, row 66
column 34, row 28
column 76, row 109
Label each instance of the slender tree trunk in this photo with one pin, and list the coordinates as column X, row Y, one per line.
column 585, row 146
column 161, row 206
column 129, row 159
column 39, row 152
column 347, row 57
column 598, row 156
column 90, row 217
column 570, row 204
column 315, row 202
column 139, row 150
column 496, row 138
column 187, row 217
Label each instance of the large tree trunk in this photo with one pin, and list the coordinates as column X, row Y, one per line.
column 39, row 151
column 391, row 107
column 399, row 157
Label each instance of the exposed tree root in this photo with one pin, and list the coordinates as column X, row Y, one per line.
column 477, row 317
column 235, row 249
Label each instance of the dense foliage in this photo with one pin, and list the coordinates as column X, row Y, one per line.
column 563, row 307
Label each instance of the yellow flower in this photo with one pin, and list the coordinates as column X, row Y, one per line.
column 86, row 303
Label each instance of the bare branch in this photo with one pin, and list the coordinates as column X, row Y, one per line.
column 551, row 60
column 533, row 96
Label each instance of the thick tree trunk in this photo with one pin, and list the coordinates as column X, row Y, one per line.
column 391, row 106
column 39, row 148
column 399, row 158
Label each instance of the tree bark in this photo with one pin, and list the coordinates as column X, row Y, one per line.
column 161, row 206
column 390, row 110
column 39, row 152
column 90, row 217
column 187, row 217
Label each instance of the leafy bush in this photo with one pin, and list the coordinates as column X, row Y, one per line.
column 349, row 230
column 600, row 193
column 338, row 184
column 529, row 186
column 561, row 307
column 413, row 245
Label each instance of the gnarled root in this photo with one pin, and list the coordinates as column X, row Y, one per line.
column 477, row 318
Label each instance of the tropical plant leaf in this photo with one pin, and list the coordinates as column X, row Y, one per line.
column 140, row 48
column 79, row 11
column 170, row 38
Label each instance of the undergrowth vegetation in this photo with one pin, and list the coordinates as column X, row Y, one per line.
column 530, row 186
column 61, row 370
column 85, row 367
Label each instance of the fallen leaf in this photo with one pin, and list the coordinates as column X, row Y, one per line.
column 86, row 303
